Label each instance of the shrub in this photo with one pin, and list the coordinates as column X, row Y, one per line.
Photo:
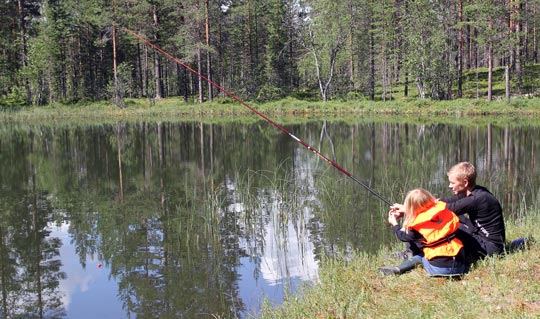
column 269, row 93
column 13, row 100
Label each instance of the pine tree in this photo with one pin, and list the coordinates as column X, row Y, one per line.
column 279, row 49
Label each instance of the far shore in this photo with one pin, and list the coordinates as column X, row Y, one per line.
column 288, row 110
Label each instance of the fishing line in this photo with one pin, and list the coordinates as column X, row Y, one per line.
column 281, row 128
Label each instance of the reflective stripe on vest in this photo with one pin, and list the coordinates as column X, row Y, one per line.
column 438, row 226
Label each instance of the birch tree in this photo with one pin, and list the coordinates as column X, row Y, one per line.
column 325, row 35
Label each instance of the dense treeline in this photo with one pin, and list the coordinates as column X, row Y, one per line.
column 78, row 50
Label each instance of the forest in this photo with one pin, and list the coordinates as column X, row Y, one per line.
column 80, row 51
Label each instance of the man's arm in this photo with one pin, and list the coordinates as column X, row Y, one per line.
column 453, row 198
column 461, row 205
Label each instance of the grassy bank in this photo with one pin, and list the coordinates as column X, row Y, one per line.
column 497, row 287
column 174, row 109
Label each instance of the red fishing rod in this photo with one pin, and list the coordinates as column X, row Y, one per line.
column 281, row 128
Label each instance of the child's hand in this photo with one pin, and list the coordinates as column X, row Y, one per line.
column 398, row 210
column 392, row 217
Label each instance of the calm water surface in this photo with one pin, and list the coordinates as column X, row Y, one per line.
column 191, row 220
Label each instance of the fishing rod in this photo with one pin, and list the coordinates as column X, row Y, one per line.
column 266, row 118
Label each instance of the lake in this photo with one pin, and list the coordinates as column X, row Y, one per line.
column 197, row 220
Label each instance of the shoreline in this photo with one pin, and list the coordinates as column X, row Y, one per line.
column 287, row 111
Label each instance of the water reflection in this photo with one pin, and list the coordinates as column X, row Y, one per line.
column 193, row 219
column 85, row 285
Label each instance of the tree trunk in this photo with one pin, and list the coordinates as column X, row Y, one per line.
column 517, row 23
column 534, row 40
column 24, row 49
column 148, row 93
column 351, row 49
column 157, row 74
column 384, row 74
column 118, row 96
column 490, row 62
column 371, row 65
column 199, row 56
column 507, row 81
column 406, row 89
column 251, row 35
column 140, row 85
column 199, row 68
column 208, row 57
column 157, row 66
column 460, row 50
column 384, row 62
column 115, row 74
column 185, row 85
column 351, row 61
column 526, row 33
column 291, row 32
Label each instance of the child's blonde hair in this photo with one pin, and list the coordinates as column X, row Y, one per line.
column 462, row 171
column 417, row 201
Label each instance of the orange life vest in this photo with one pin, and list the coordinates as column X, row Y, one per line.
column 438, row 226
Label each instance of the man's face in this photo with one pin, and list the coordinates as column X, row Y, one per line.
column 457, row 185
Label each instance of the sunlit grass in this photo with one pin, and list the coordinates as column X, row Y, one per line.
column 497, row 287
column 286, row 111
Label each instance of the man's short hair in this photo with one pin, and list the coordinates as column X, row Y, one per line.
column 464, row 170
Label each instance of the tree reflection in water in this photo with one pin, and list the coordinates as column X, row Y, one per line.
column 194, row 218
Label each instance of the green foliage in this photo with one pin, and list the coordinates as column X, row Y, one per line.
column 39, row 67
column 355, row 96
column 123, row 86
column 279, row 70
column 324, row 36
column 518, row 103
column 264, row 49
column 269, row 93
column 305, row 94
column 425, row 41
column 13, row 100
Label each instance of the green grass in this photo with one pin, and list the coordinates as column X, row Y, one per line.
column 287, row 111
column 497, row 287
